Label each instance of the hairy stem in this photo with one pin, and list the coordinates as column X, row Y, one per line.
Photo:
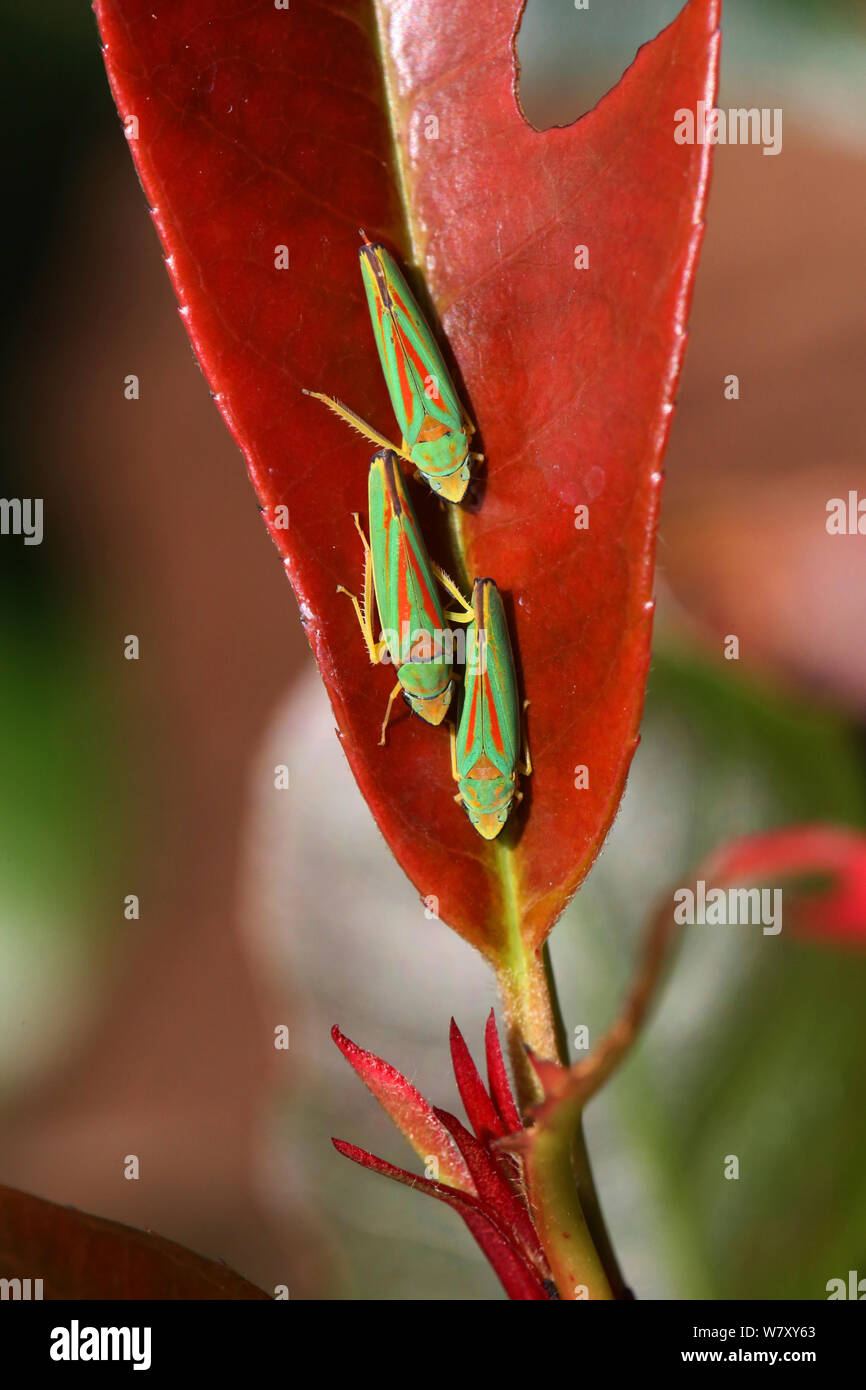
column 530, row 1020
column 562, row 1189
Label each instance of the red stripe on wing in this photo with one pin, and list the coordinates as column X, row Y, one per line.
column 426, row 598
column 403, row 606
column 406, row 391
column 473, row 715
column 492, row 727
column 431, row 386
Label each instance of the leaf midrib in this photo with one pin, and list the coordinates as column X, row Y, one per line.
column 503, row 865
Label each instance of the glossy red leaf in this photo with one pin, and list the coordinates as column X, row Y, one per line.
column 78, row 1256
column 260, row 128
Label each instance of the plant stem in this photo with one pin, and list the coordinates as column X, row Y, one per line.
column 594, row 1216
column 558, row 1203
column 562, row 1189
column 529, row 1020
column 556, row 1007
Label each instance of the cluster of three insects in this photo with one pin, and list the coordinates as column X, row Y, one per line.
column 486, row 739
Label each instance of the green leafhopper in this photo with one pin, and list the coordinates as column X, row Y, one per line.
column 436, row 429
column 398, row 569
column 485, row 747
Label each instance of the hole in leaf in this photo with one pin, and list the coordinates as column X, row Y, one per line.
column 570, row 57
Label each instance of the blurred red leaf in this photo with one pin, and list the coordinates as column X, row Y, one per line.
column 821, row 870
column 832, row 909
column 260, row 127
column 86, row 1257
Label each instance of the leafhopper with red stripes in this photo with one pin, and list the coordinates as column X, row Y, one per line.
column 485, row 746
column 436, row 429
column 398, row 570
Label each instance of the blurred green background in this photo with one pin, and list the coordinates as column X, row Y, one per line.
column 155, row 1036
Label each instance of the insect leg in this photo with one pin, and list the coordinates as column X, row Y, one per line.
column 358, row 424
column 375, row 649
column 448, row 584
column 452, row 738
column 469, row 430
column 391, row 698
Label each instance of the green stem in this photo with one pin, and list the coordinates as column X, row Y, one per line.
column 594, row 1216
column 529, row 1020
column 562, row 1191
column 589, row 1199
column 558, row 1204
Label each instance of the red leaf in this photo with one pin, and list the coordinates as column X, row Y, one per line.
column 479, row 1107
column 497, row 1079
column 410, row 1112
column 835, row 911
column 517, row 1276
column 494, row 1189
column 461, row 1201
column 260, row 127
column 78, row 1256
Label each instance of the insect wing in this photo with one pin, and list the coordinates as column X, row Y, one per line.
column 489, row 722
column 406, row 593
column 418, row 380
